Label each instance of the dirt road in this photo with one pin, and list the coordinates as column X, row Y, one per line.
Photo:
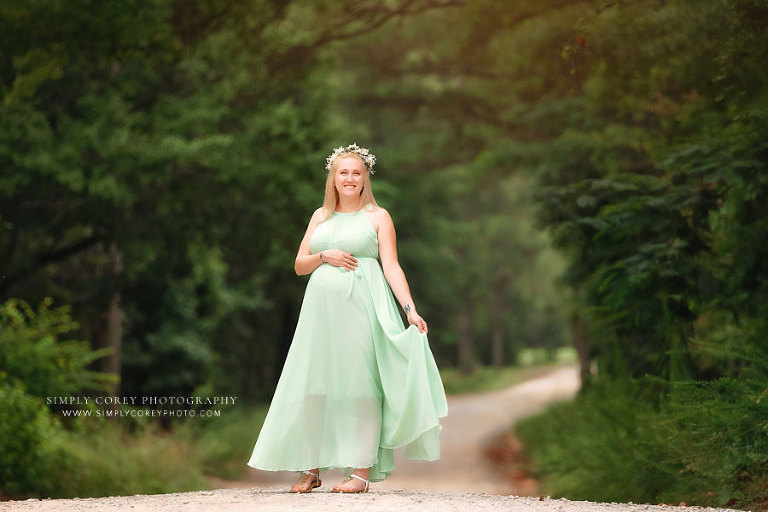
column 277, row 500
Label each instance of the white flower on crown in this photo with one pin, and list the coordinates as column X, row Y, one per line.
column 368, row 158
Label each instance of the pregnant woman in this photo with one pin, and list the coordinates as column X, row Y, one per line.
column 356, row 383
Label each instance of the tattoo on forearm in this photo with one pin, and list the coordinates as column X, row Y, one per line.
column 407, row 308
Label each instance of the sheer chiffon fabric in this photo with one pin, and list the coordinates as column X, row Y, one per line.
column 356, row 383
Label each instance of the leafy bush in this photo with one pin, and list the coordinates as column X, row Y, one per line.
column 26, row 432
column 32, row 353
column 658, row 191
column 35, row 363
column 704, row 445
column 94, row 456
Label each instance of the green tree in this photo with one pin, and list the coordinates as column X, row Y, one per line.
column 160, row 160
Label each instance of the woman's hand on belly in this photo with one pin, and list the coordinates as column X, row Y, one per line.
column 339, row 258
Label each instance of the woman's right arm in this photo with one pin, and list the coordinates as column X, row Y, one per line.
column 306, row 262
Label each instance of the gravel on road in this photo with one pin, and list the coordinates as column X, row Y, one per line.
column 280, row 500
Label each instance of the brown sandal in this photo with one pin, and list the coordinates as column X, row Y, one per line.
column 306, row 474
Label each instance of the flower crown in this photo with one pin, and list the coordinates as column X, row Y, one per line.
column 368, row 158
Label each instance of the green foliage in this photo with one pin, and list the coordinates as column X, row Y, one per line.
column 171, row 155
column 168, row 154
column 27, row 431
column 657, row 191
column 93, row 456
column 38, row 457
column 34, row 364
column 465, row 219
column 143, row 144
column 644, row 123
column 704, row 446
column 538, row 356
column 33, row 356
column 97, row 457
column 674, row 148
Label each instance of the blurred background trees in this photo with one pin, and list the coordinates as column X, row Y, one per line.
column 159, row 161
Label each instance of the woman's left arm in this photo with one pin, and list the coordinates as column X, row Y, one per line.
column 392, row 270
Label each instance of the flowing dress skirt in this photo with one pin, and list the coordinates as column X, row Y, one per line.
column 356, row 383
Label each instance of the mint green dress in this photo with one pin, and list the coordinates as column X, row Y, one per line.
column 356, row 383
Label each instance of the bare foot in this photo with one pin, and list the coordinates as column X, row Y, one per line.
column 352, row 484
column 307, row 482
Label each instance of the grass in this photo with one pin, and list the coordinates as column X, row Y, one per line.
column 538, row 356
column 224, row 444
column 105, row 458
column 531, row 363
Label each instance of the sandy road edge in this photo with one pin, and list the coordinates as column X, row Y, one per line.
column 278, row 499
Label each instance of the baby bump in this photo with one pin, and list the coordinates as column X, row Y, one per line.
column 337, row 284
column 345, row 312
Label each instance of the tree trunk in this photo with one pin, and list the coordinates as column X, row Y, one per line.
column 581, row 344
column 114, row 338
column 112, row 331
column 497, row 334
column 467, row 339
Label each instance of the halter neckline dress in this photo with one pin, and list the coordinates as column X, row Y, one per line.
column 356, row 383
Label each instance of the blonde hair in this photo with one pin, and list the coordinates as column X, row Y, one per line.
column 331, row 200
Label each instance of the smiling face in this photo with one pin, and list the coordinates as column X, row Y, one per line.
column 348, row 185
column 350, row 177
